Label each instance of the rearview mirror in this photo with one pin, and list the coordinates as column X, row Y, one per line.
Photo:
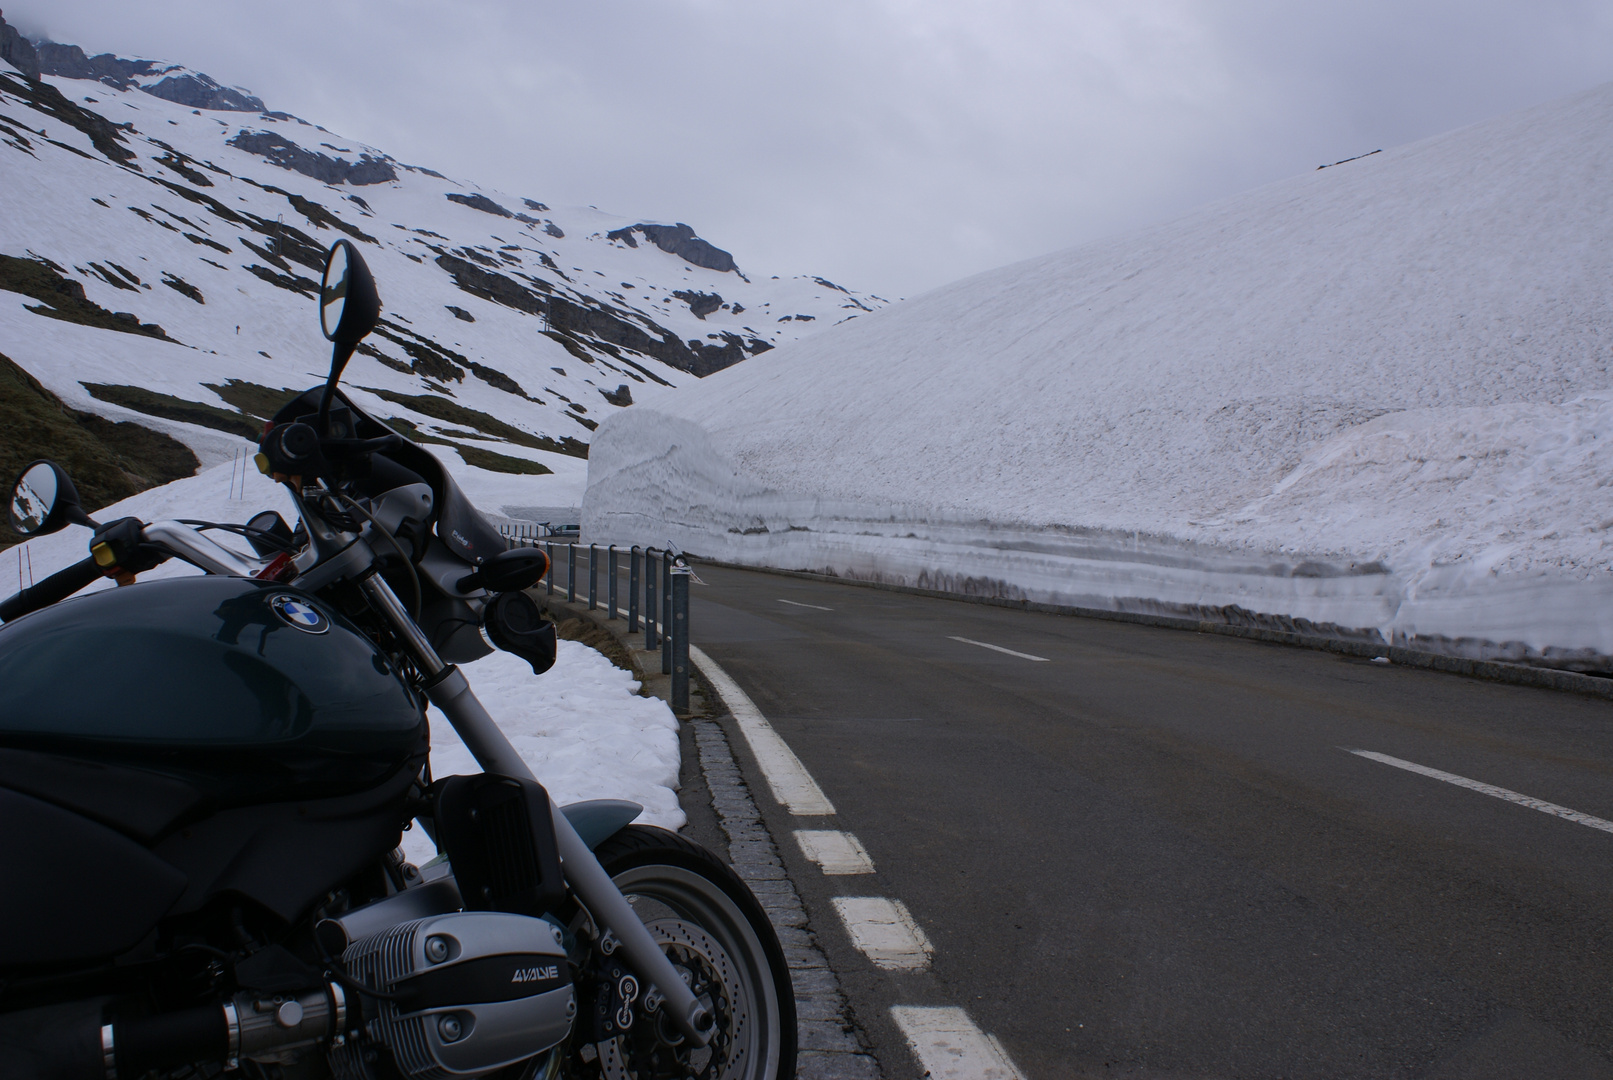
column 43, row 500
column 349, row 306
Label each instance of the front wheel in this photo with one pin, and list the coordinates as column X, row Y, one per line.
column 721, row 942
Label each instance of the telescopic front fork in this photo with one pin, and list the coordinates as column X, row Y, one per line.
column 449, row 691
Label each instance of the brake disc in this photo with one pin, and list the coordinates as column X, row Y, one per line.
column 654, row 1049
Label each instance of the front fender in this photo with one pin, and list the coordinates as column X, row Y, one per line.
column 597, row 819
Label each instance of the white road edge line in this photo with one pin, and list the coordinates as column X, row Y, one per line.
column 797, row 603
column 837, row 854
column 950, row 1047
column 792, row 785
column 1489, row 789
column 885, row 932
column 999, row 648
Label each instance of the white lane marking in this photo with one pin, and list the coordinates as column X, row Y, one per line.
column 792, row 785
column 815, row 607
column 1491, row 790
column 836, row 853
column 999, row 648
column 885, row 932
column 950, row 1047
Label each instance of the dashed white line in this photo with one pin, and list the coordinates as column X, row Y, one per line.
column 999, row 648
column 792, row 785
column 885, row 932
column 950, row 1047
column 836, row 853
column 1491, row 790
column 796, row 603
column 946, row 1042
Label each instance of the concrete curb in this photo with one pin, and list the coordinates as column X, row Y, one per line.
column 830, row 1045
column 1493, row 670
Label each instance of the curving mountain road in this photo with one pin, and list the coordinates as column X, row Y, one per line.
column 1145, row 852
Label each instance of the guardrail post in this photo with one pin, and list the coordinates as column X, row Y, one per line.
column 593, row 576
column 652, row 598
column 632, row 589
column 666, row 612
column 571, row 573
column 680, row 639
column 610, row 574
column 548, row 579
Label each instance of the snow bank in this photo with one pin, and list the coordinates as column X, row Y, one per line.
column 1374, row 397
column 581, row 726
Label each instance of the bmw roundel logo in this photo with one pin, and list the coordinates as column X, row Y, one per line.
column 299, row 614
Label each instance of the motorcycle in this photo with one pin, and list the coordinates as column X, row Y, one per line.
column 204, row 781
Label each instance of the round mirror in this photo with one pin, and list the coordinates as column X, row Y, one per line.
column 34, row 500
column 333, row 292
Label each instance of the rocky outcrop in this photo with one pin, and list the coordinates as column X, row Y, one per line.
column 106, row 138
column 63, row 298
column 479, row 202
column 700, row 304
column 679, row 240
column 197, row 91
column 490, row 286
column 18, row 51
column 191, row 89
column 69, row 62
column 281, row 151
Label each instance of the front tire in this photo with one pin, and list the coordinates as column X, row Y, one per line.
column 716, row 932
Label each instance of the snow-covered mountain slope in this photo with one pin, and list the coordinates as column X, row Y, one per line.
column 1376, row 396
column 161, row 238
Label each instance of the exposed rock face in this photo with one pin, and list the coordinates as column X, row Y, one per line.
column 490, row 286
column 479, row 202
column 192, row 90
column 18, row 51
column 201, row 92
column 288, row 155
column 49, row 100
column 681, row 241
column 69, row 62
column 700, row 303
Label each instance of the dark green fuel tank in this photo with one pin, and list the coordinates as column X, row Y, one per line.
column 251, row 691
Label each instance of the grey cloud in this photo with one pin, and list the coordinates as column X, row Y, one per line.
column 895, row 144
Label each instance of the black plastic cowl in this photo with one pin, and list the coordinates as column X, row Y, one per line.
column 515, row 625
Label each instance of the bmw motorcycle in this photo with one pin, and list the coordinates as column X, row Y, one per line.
column 204, row 780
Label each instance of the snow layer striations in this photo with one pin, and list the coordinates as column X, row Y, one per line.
column 1374, row 399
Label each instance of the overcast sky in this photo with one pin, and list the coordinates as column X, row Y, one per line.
column 891, row 145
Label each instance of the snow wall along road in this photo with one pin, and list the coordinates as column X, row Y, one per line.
column 1374, row 399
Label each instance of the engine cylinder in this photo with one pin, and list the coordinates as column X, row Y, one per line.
column 468, row 992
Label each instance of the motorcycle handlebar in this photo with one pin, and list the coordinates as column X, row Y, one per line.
column 59, row 586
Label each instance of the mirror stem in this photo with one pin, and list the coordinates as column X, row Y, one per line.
column 77, row 516
column 339, row 358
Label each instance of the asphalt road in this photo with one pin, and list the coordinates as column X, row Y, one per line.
column 1154, row 855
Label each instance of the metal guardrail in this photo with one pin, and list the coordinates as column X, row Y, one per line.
column 657, row 576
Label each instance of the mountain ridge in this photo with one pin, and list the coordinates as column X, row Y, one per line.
column 148, row 197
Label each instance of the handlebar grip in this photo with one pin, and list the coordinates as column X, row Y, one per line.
column 59, row 586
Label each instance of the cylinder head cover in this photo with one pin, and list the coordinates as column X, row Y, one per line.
column 475, row 991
